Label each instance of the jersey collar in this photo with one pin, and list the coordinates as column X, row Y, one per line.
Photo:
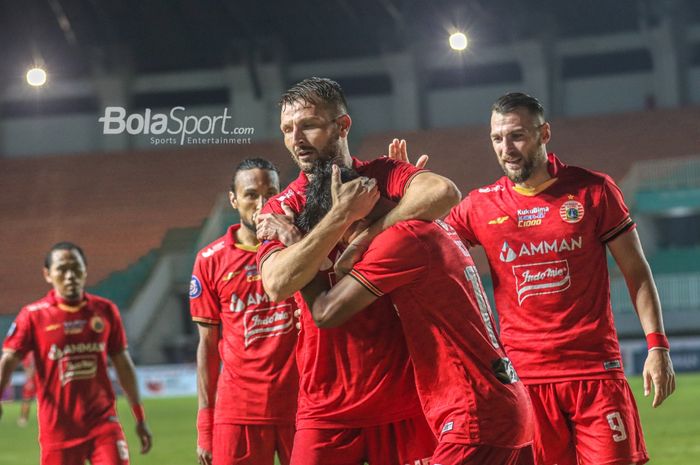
column 61, row 303
column 554, row 166
column 230, row 239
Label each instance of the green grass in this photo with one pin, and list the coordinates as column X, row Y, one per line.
column 672, row 431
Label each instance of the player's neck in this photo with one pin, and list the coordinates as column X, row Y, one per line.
column 245, row 236
column 538, row 177
column 72, row 301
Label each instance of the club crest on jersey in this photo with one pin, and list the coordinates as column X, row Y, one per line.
column 571, row 211
column 195, row 287
column 97, row 324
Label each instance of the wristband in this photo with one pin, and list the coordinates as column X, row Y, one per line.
column 205, row 428
column 657, row 341
column 139, row 414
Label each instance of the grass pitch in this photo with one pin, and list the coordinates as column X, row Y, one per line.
column 672, row 432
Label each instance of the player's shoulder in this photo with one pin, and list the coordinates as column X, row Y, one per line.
column 490, row 190
column 292, row 195
column 37, row 305
column 586, row 176
column 97, row 301
column 212, row 248
column 379, row 164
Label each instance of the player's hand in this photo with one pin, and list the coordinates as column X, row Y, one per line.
column 354, row 198
column 145, row 437
column 658, row 370
column 399, row 152
column 203, row 456
column 270, row 226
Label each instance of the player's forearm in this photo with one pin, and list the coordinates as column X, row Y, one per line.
column 8, row 364
column 428, row 197
column 126, row 374
column 646, row 301
column 287, row 271
column 208, row 361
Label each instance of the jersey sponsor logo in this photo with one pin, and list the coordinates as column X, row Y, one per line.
column 507, row 253
column 230, row 275
column 462, row 248
column 267, row 322
column 530, row 249
column 496, row 188
column 56, row 353
column 38, row 306
column 97, row 324
column 52, row 327
column 449, row 426
column 195, row 287
column 11, row 329
column 123, row 449
column 571, row 211
column 251, row 273
column 541, row 278
column 287, row 195
column 446, row 227
column 72, row 367
column 528, row 217
column 213, row 249
column 499, row 220
column 74, row 326
column 238, row 304
column 612, row 364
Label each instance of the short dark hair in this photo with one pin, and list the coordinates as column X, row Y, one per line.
column 251, row 164
column 511, row 101
column 69, row 246
column 316, row 90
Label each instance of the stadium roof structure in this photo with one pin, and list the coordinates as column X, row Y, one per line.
column 71, row 37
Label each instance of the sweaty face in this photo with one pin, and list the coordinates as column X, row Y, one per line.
column 519, row 138
column 67, row 274
column 253, row 188
column 311, row 133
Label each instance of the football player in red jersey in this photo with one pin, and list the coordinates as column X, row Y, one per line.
column 470, row 393
column 545, row 227
column 71, row 334
column 246, row 410
column 357, row 399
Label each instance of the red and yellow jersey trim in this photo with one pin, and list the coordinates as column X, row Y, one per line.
column 208, row 321
column 366, row 283
column 532, row 191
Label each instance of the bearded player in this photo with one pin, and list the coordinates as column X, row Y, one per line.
column 246, row 409
column 545, row 227
column 72, row 333
column 357, row 399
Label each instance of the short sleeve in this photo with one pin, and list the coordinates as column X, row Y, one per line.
column 116, row 341
column 393, row 177
column 19, row 337
column 395, row 258
column 204, row 301
column 614, row 216
column 459, row 219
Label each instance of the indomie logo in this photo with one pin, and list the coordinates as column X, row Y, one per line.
column 508, row 254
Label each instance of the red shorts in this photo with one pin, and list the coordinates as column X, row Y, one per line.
column 105, row 449
column 399, row 443
column 448, row 453
column 251, row 444
column 587, row 422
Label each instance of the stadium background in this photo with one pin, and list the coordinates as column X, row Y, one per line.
column 620, row 81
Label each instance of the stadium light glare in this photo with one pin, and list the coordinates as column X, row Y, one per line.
column 36, row 77
column 458, row 41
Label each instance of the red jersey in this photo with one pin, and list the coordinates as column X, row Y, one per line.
column 548, row 262
column 468, row 388
column 259, row 380
column 359, row 374
column 76, row 401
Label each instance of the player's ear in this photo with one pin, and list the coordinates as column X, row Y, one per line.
column 546, row 133
column 47, row 277
column 344, row 123
column 232, row 200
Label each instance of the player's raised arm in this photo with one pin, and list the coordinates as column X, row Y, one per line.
column 658, row 368
column 290, row 269
column 208, row 362
column 126, row 374
column 8, row 364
